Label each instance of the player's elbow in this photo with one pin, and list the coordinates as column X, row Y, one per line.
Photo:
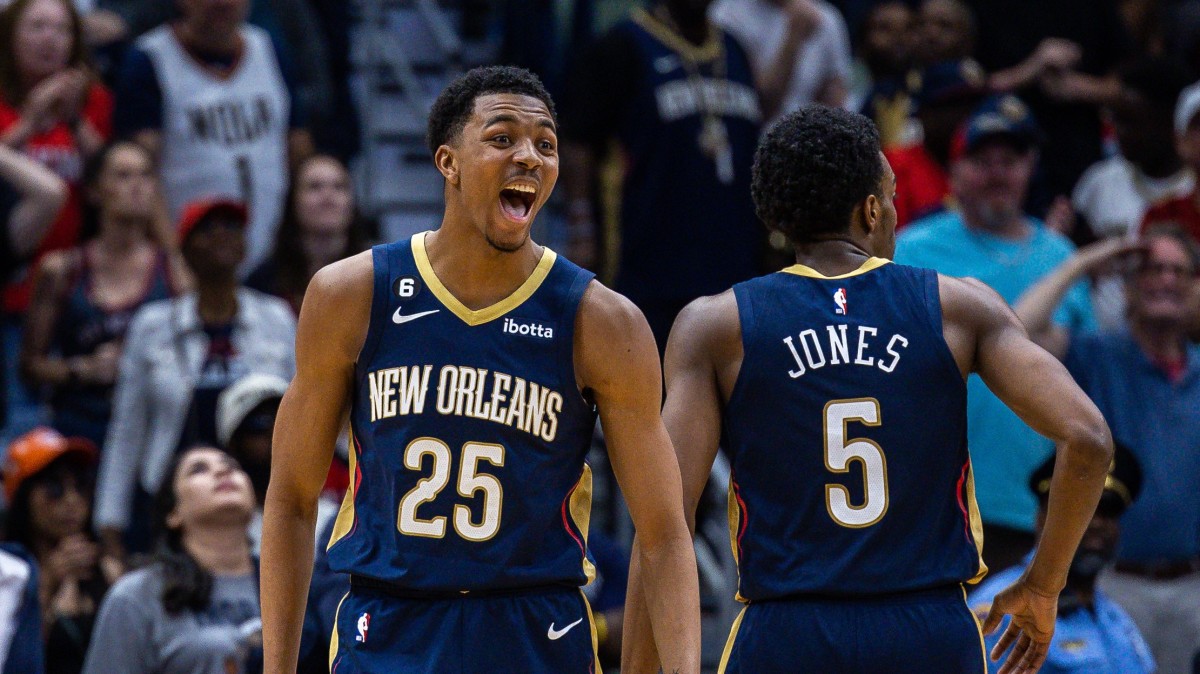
column 1089, row 444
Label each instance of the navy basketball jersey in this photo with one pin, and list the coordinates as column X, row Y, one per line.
column 468, row 435
column 687, row 225
column 846, row 430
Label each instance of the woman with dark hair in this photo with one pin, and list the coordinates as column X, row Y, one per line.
column 48, row 480
column 51, row 105
column 321, row 224
column 195, row 609
column 84, row 298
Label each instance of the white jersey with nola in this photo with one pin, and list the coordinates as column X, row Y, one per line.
column 224, row 135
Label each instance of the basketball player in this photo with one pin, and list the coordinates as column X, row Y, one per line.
column 471, row 362
column 837, row 387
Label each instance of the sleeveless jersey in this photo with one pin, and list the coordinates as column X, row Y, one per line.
column 224, row 136
column 846, row 430
column 83, row 326
column 469, row 435
column 687, row 225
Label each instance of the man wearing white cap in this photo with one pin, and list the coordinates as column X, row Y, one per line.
column 1183, row 211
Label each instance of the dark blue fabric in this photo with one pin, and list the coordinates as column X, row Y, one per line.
column 1159, row 420
column 508, row 634
column 536, row 542
column 793, row 377
column 929, row 632
column 25, row 654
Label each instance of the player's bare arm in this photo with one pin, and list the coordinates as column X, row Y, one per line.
column 986, row 337
column 617, row 362
column 332, row 327
column 703, row 355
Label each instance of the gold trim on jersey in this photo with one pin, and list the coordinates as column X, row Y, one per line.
column 978, row 627
column 976, row 523
column 333, row 639
column 345, row 516
column 737, row 623
column 870, row 265
column 709, row 51
column 735, row 524
column 475, row 317
column 580, row 507
column 595, row 634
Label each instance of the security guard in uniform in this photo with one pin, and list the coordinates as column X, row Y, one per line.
column 1092, row 635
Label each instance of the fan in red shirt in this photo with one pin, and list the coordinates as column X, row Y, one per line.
column 945, row 94
column 51, row 106
column 1182, row 212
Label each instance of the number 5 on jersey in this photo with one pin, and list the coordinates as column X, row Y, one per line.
column 839, row 452
column 470, row 481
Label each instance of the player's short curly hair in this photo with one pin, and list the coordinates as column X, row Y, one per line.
column 812, row 168
column 457, row 101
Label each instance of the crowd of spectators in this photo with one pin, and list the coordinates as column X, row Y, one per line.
column 172, row 174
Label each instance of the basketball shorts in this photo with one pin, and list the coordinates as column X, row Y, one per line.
column 543, row 631
column 929, row 631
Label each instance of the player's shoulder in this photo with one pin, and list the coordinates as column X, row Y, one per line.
column 351, row 278
column 604, row 311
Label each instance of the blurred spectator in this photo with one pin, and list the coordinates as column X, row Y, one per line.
column 1113, row 194
column 886, row 54
column 1061, row 57
column 320, row 225
column 85, row 297
column 195, row 609
column 51, row 107
column 208, row 95
column 1182, row 211
column 30, row 198
column 1146, row 381
column 677, row 96
column 990, row 238
column 245, row 420
column 48, row 481
column 946, row 31
column 180, row 355
column 945, row 94
column 21, row 649
column 799, row 50
column 1092, row 635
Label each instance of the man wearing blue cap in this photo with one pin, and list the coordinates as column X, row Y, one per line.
column 988, row 236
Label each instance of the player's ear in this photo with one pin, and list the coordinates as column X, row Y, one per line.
column 872, row 214
column 447, row 163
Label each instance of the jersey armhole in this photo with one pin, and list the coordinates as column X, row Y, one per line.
column 381, row 272
column 933, row 300
column 570, row 314
column 745, row 313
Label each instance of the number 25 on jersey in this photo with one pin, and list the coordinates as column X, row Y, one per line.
column 470, row 482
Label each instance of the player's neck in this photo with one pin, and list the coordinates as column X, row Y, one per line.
column 832, row 257
column 222, row 550
column 474, row 271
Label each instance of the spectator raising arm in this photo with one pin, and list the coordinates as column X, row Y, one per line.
column 1037, row 305
column 41, row 195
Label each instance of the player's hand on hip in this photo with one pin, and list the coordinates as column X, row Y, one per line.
column 1030, row 630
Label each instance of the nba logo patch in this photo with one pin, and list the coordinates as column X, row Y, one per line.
column 364, row 623
column 839, row 300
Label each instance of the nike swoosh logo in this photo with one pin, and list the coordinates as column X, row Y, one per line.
column 554, row 634
column 399, row 318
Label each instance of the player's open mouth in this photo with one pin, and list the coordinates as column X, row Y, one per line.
column 516, row 201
